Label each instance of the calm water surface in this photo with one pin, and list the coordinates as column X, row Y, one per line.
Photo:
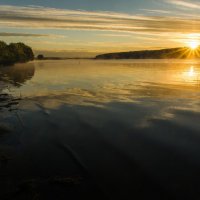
column 132, row 125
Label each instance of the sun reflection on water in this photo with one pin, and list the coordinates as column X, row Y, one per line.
column 191, row 72
column 105, row 80
column 192, row 75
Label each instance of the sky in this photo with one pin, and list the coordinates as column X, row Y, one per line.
column 89, row 27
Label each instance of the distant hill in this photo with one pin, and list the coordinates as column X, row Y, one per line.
column 153, row 54
column 14, row 53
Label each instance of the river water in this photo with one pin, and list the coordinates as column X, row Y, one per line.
column 131, row 125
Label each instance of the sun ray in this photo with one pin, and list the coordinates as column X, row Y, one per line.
column 184, row 53
column 193, row 44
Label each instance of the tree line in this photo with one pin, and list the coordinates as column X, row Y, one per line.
column 181, row 53
column 15, row 53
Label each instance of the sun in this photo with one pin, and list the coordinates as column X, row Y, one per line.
column 193, row 44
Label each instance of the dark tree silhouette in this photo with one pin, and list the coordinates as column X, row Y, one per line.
column 153, row 54
column 40, row 57
column 14, row 53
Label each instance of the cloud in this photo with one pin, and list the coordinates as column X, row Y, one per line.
column 115, row 35
column 4, row 34
column 52, row 36
column 185, row 4
column 133, row 30
column 156, row 11
column 51, row 18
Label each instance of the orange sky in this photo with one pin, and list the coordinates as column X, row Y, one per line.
column 85, row 30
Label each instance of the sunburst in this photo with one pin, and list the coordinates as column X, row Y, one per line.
column 192, row 50
column 193, row 44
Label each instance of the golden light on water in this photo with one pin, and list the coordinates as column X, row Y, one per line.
column 191, row 72
column 191, row 75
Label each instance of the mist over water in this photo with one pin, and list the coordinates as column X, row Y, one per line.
column 131, row 124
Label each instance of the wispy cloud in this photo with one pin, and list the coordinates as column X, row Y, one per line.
column 115, row 35
column 185, row 4
column 4, row 34
column 123, row 31
column 156, row 11
column 44, row 18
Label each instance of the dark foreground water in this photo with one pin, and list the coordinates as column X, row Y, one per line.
column 100, row 129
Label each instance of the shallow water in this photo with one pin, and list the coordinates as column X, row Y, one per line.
column 132, row 125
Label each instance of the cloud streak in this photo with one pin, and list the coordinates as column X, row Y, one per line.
column 4, row 34
column 185, row 4
column 50, row 18
column 116, row 31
